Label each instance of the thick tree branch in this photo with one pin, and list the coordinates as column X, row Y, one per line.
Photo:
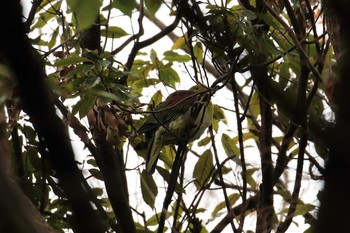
column 180, row 154
column 336, row 194
column 109, row 158
column 38, row 104
column 265, row 209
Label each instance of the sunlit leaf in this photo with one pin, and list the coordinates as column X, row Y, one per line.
column 179, row 43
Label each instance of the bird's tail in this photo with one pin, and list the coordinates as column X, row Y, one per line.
column 153, row 155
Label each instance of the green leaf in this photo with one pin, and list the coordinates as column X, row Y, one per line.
column 153, row 6
column 71, row 60
column 254, row 105
column 246, row 136
column 229, row 146
column 97, row 191
column 148, row 188
column 152, row 221
column 92, row 162
column 301, row 209
column 250, row 179
column 53, row 39
column 232, row 200
column 113, row 32
column 168, row 156
column 125, row 6
column 198, row 52
column 155, row 100
column 249, row 14
column 84, row 105
column 45, row 17
column 175, row 57
column 86, row 11
column 168, row 75
column 164, row 173
column 139, row 84
column 204, row 141
column 96, row 173
column 153, row 56
column 218, row 113
column 120, row 94
column 284, row 74
column 92, row 81
column 203, row 169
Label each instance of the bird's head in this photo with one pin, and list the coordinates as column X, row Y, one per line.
column 198, row 88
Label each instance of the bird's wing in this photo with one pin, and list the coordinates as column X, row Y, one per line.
column 175, row 105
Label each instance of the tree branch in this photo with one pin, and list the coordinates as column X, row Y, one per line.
column 37, row 103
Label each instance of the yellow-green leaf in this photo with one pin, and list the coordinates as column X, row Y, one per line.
column 179, row 43
column 198, row 52
column 204, row 141
column 172, row 56
column 301, row 209
column 152, row 221
column 203, row 169
column 246, row 136
column 156, row 99
column 229, row 146
column 250, row 179
column 232, row 200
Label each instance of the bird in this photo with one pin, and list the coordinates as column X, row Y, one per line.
column 180, row 119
